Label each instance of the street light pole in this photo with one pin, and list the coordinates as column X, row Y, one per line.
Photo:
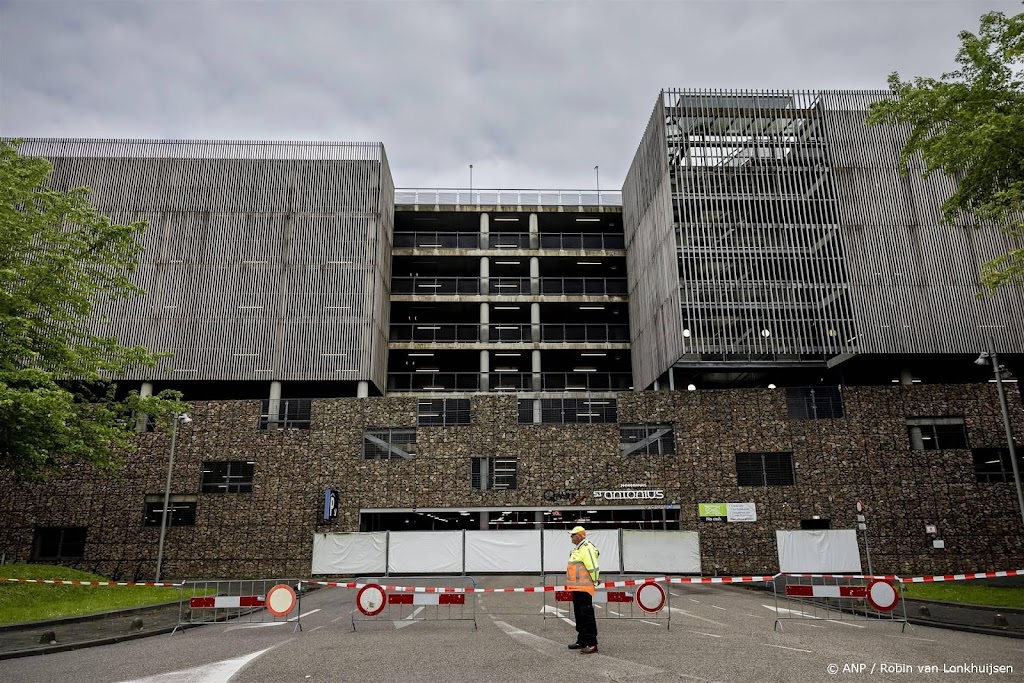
column 1006, row 425
column 182, row 417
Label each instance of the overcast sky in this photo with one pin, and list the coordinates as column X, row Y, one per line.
column 533, row 94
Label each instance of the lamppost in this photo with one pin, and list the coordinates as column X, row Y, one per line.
column 984, row 359
column 184, row 419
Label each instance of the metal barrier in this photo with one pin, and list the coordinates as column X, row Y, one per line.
column 626, row 596
column 837, row 597
column 254, row 601
column 419, row 598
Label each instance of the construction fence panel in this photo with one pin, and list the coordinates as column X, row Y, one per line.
column 240, row 601
column 418, row 598
column 836, row 597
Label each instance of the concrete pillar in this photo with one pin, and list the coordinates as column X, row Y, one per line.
column 362, row 389
column 671, row 379
column 485, row 229
column 535, row 368
column 537, row 419
column 538, row 518
column 485, row 517
column 485, row 320
column 274, row 405
column 485, row 273
column 534, row 232
column 906, row 377
column 485, row 368
column 534, row 275
column 140, row 423
column 535, row 323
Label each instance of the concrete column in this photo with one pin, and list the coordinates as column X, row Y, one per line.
column 906, row 377
column 534, row 275
column 485, row 274
column 485, row 320
column 362, row 389
column 671, row 379
column 485, row 229
column 274, row 405
column 538, row 518
column 140, row 422
column 535, row 363
column 485, row 517
column 485, row 368
column 537, row 419
column 534, row 232
column 535, row 323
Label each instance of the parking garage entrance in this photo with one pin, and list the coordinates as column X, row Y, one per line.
column 636, row 517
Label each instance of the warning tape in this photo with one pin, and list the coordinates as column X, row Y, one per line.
column 915, row 579
column 68, row 582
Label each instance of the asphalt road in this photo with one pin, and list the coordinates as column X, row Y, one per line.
column 717, row 633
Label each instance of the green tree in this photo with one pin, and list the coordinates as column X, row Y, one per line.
column 58, row 258
column 969, row 124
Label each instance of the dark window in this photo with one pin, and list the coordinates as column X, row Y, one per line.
column 576, row 411
column 182, row 510
column 814, row 403
column 936, row 433
column 993, row 464
column 389, row 444
column 656, row 439
column 290, row 413
column 816, row 523
column 443, row 412
column 765, row 469
column 525, row 406
column 234, row 476
column 493, row 474
column 59, row 543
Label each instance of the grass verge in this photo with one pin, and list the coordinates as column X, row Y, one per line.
column 968, row 592
column 21, row 602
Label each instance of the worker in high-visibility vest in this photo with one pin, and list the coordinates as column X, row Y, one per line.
column 581, row 576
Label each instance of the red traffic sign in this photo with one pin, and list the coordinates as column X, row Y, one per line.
column 280, row 600
column 883, row 596
column 650, row 597
column 860, row 505
column 371, row 600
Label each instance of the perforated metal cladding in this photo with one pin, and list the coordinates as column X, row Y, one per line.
column 262, row 261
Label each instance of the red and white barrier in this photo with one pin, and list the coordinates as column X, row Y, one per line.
column 227, row 601
column 70, row 582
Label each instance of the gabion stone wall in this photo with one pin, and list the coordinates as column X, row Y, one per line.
column 864, row 455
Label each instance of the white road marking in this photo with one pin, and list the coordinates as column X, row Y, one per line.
column 217, row 672
column 618, row 614
column 305, row 614
column 805, row 615
column 256, row 625
column 558, row 612
column 706, row 634
column 692, row 600
column 694, row 616
column 756, row 616
column 652, row 623
column 612, row 667
column 783, row 647
column 721, row 608
column 314, row 629
column 411, row 619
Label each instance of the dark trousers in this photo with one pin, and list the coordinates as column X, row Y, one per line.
column 586, row 624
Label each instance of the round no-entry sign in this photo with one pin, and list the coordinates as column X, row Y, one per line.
column 280, row 600
column 883, row 595
column 650, row 597
column 371, row 599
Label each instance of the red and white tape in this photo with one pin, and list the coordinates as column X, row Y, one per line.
column 70, row 582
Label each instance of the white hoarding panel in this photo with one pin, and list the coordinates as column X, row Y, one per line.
column 826, row 551
column 557, row 547
column 425, row 552
column 503, row 551
column 661, row 552
column 349, row 553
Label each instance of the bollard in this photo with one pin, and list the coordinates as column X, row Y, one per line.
column 999, row 621
column 136, row 624
column 48, row 638
column 923, row 611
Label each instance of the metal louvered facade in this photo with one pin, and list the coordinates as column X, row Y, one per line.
column 262, row 260
column 773, row 228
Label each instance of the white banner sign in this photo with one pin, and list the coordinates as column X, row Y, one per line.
column 741, row 512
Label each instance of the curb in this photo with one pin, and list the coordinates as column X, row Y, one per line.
column 95, row 616
column 110, row 640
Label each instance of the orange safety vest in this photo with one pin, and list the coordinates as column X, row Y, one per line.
column 582, row 571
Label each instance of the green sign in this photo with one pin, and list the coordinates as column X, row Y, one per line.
column 712, row 510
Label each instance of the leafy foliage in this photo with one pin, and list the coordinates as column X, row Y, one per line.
column 58, row 258
column 969, row 124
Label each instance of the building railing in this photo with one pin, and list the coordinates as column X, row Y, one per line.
column 434, row 381
column 510, row 381
column 584, row 333
column 509, row 332
column 437, row 196
column 589, row 381
column 428, row 286
column 436, row 240
column 509, row 285
column 286, row 413
column 435, row 332
column 580, row 285
column 582, row 240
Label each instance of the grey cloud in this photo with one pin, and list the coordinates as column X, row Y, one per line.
column 532, row 94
